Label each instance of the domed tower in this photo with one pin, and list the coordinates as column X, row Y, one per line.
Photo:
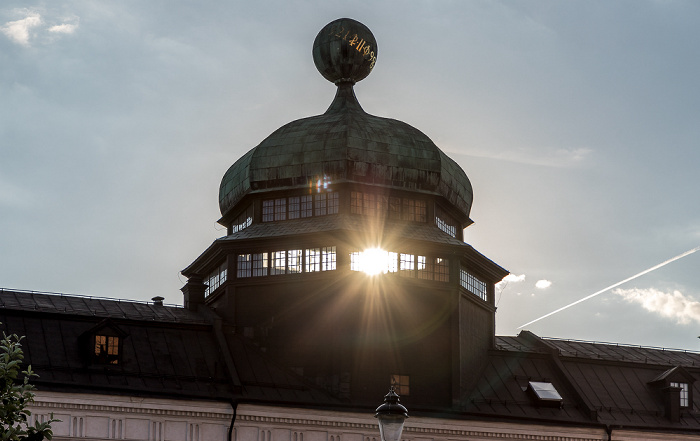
column 344, row 258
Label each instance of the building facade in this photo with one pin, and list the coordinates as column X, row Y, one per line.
column 343, row 272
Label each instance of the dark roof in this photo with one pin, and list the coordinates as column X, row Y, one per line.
column 94, row 306
column 346, row 144
column 167, row 351
column 180, row 353
column 601, row 383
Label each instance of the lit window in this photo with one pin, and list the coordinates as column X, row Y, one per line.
column 313, row 260
column 279, row 262
column 106, row 349
column 243, row 269
column 294, row 261
column 685, row 394
column 401, row 384
column 328, row 259
column 374, row 261
column 472, row 284
column 259, row 264
column 407, row 265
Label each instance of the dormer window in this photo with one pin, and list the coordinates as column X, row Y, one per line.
column 106, row 349
column 103, row 344
column 685, row 393
column 675, row 388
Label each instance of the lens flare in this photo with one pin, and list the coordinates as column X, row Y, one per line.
column 373, row 261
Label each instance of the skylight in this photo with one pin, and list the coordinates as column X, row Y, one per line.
column 545, row 392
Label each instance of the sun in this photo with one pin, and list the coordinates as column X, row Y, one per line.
column 374, row 261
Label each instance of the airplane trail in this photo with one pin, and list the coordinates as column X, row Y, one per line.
column 673, row 259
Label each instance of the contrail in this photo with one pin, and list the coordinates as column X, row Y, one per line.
column 673, row 259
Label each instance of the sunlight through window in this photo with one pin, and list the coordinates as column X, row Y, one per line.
column 373, row 261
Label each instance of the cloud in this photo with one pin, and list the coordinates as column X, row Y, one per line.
column 508, row 279
column 548, row 157
column 513, row 278
column 667, row 304
column 65, row 28
column 543, row 284
column 19, row 30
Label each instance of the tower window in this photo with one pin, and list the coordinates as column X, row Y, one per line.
column 215, row 279
column 279, row 262
column 306, row 206
column 243, row 269
column 259, row 264
column 472, row 284
column 106, row 349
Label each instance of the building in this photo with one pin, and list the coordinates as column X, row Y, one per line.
column 343, row 272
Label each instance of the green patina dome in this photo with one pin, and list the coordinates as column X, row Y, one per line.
column 346, row 144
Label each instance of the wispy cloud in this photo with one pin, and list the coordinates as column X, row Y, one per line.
column 674, row 304
column 548, row 157
column 65, row 28
column 19, row 31
column 543, row 284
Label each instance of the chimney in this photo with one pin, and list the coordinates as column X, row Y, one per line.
column 158, row 300
column 194, row 292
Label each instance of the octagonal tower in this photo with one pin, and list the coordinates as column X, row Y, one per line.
column 344, row 256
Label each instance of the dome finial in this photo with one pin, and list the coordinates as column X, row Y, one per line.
column 345, row 51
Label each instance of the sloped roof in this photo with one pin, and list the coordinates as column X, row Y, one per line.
column 601, row 383
column 167, row 351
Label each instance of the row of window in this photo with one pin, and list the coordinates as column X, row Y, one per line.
column 296, row 207
column 370, row 204
column 407, row 265
column 286, row 262
column 244, row 220
column 475, row 286
column 445, row 222
column 215, row 279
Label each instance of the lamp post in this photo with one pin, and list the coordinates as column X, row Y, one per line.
column 391, row 416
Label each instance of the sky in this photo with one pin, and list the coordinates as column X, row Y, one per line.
column 576, row 122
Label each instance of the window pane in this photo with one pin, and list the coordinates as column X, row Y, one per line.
column 279, row 262
column 294, row 206
column 243, row 269
column 280, row 209
column 294, row 258
column 268, row 210
column 313, row 260
column 328, row 259
column 306, row 206
column 333, row 203
column 259, row 264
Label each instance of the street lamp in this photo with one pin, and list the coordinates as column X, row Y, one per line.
column 391, row 416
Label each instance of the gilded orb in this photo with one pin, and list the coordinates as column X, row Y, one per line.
column 345, row 51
